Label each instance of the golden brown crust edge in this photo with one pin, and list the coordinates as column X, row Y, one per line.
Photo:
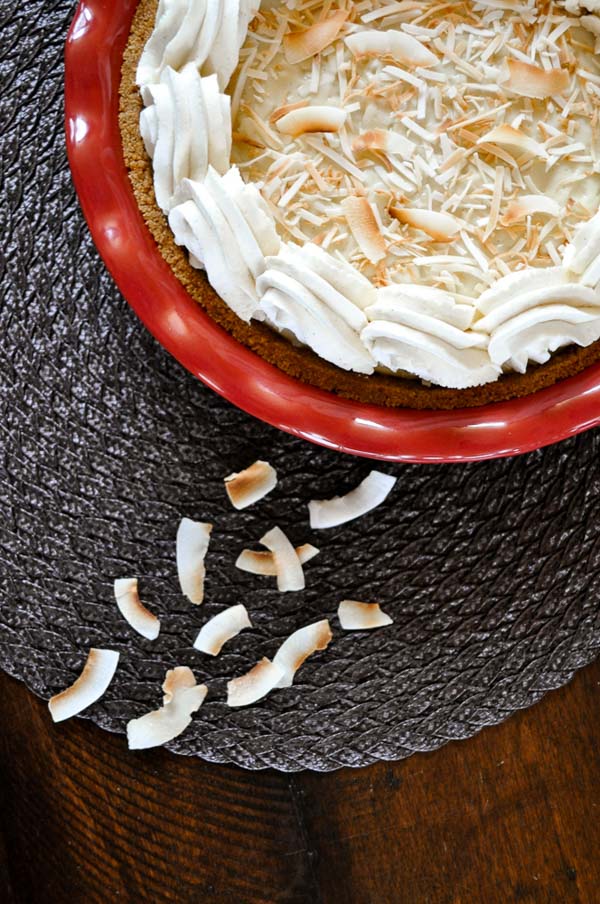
column 301, row 363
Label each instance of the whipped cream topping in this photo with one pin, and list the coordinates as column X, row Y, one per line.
column 186, row 129
column 532, row 313
column 434, row 176
column 207, row 33
column 424, row 331
column 300, row 293
column 227, row 229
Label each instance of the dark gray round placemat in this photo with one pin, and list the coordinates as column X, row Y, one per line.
column 490, row 571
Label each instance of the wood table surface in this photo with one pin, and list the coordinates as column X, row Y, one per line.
column 510, row 815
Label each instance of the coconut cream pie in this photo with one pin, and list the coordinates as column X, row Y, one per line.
column 397, row 201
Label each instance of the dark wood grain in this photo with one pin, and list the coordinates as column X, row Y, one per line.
column 511, row 815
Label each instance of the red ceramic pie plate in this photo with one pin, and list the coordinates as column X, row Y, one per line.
column 95, row 46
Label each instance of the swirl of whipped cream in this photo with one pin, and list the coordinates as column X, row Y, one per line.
column 582, row 255
column 532, row 313
column 186, row 129
column 424, row 331
column 227, row 228
column 318, row 299
column 207, row 33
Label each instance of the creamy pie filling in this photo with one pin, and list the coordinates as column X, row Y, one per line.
column 415, row 185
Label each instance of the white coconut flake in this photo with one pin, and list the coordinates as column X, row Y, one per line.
column 97, row 674
column 221, row 628
column 298, row 647
column 513, row 138
column 182, row 698
column 443, row 227
column 530, row 205
column 133, row 610
column 246, row 487
column 370, row 493
column 255, row 684
column 263, row 563
column 192, row 545
column 317, row 118
column 355, row 616
column 290, row 575
column 397, row 44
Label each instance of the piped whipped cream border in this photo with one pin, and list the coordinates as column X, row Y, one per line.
column 304, row 292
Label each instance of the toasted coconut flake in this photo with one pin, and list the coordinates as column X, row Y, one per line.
column 382, row 140
column 298, row 647
column 364, row 228
column 182, row 698
column 507, row 136
column 370, row 493
column 221, row 628
column 176, row 679
column 531, row 81
column 289, row 569
column 248, row 486
column 397, row 44
column 97, row 674
column 355, row 616
column 287, row 108
column 443, row 227
column 311, row 119
column 529, row 205
column 255, row 684
column 301, row 45
column 192, row 545
column 133, row 610
column 261, row 562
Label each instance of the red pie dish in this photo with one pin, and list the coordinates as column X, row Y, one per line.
column 94, row 52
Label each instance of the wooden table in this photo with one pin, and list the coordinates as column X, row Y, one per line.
column 511, row 815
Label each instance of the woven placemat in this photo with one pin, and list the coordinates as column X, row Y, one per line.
column 491, row 571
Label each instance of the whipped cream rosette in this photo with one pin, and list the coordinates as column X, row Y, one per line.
column 227, row 229
column 320, row 301
column 413, row 191
column 207, row 33
column 423, row 331
column 186, row 129
column 532, row 313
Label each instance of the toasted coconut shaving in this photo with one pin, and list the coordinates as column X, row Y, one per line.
column 370, row 493
column 531, row 81
column 255, row 684
column 311, row 119
column 298, row 647
column 182, row 698
column 289, row 568
column 301, row 45
column 133, row 610
column 355, row 616
column 248, row 486
column 507, row 136
column 261, row 562
column 192, row 544
column 442, row 227
column 364, row 228
column 221, row 628
column 529, row 205
column 97, row 674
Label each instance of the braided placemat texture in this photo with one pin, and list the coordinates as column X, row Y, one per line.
column 491, row 571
